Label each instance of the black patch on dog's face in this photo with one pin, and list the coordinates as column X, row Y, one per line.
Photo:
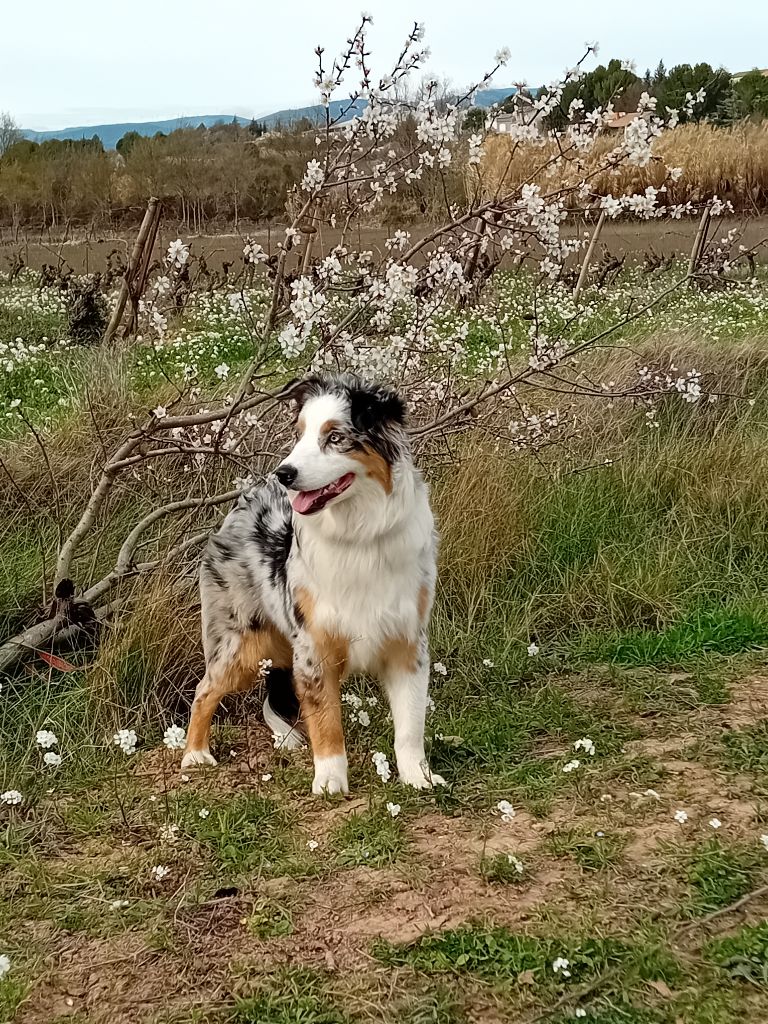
column 376, row 414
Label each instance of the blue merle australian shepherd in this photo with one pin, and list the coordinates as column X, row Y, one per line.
column 327, row 568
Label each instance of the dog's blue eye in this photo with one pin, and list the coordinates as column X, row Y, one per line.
column 334, row 437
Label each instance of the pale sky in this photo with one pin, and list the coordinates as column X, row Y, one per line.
column 96, row 61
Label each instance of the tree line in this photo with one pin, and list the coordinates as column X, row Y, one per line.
column 218, row 177
column 728, row 99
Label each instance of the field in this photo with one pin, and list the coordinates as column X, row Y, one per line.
column 600, row 650
column 89, row 255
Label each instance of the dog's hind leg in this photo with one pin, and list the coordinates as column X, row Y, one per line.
column 281, row 710
column 233, row 668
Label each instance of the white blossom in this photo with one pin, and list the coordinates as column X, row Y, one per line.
column 175, row 737
column 126, row 739
column 382, row 766
column 506, row 810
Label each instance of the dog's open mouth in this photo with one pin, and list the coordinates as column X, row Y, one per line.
column 308, row 502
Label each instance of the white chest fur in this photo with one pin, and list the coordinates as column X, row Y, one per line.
column 367, row 572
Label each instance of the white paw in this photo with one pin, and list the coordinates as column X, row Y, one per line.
column 330, row 775
column 292, row 740
column 420, row 776
column 198, row 758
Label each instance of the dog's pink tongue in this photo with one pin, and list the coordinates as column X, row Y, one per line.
column 305, row 500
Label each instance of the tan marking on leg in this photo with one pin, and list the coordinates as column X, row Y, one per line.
column 399, row 652
column 240, row 674
column 320, row 694
column 375, row 466
column 305, row 603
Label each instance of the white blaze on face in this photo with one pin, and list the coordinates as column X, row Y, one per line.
column 318, row 467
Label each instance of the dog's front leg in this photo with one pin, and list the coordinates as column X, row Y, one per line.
column 406, row 682
column 318, row 668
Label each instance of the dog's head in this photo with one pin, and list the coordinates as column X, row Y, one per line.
column 349, row 436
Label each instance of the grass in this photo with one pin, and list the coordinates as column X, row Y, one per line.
column 374, row 839
column 506, row 868
column 294, row 997
column 747, row 749
column 592, row 852
column 718, row 873
column 269, row 919
column 501, row 954
column 642, row 584
column 743, row 955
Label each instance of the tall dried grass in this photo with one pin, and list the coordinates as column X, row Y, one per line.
column 729, row 162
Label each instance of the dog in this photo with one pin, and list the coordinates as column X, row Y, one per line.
column 327, row 568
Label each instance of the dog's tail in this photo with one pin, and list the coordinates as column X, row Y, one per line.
column 281, row 710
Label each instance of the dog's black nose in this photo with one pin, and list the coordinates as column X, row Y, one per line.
column 286, row 475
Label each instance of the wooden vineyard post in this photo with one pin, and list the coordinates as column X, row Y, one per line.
column 588, row 256
column 698, row 244
column 138, row 265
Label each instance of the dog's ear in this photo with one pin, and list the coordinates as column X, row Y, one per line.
column 376, row 406
column 297, row 391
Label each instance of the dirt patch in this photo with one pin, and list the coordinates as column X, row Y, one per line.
column 109, row 981
column 748, row 704
column 443, row 887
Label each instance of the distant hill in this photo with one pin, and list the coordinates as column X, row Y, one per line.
column 110, row 134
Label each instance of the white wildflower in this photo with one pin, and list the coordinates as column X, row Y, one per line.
column 175, row 737
column 203, row 813
column 561, row 966
column 533, row 649
column 394, row 809
column 312, row 844
column 52, row 759
column 382, row 766
column 715, row 823
column 440, row 669
column 681, row 817
column 46, row 739
column 585, row 744
column 516, row 863
column 571, row 766
column 11, row 797
column 506, row 810
column 126, row 739
column 159, row 872
column 5, row 965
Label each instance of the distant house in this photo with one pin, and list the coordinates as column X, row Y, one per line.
column 523, row 113
column 620, row 120
column 738, row 77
